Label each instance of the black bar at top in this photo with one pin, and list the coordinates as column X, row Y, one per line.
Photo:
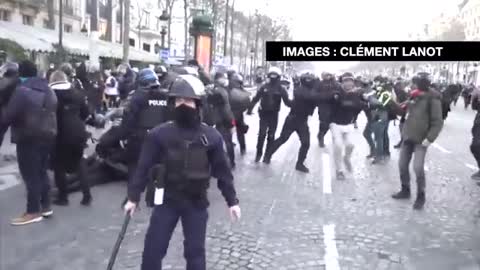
column 373, row 51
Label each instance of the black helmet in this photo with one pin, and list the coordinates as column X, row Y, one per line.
column 67, row 68
column 187, row 86
column 160, row 69
column 346, row 76
column 422, row 80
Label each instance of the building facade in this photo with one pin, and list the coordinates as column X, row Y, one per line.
column 470, row 17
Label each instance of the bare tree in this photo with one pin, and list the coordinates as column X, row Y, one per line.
column 51, row 14
column 108, row 34
column 126, row 31
column 232, row 23
column 185, row 27
column 247, row 47
column 140, row 21
column 169, row 7
column 225, row 38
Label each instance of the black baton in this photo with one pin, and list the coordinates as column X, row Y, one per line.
column 113, row 257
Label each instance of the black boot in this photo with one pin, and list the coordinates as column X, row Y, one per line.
column 404, row 193
column 86, row 200
column 267, row 159
column 300, row 167
column 420, row 201
column 340, row 176
column 476, row 176
column 61, row 200
column 258, row 157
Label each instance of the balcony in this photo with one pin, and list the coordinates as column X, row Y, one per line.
column 37, row 4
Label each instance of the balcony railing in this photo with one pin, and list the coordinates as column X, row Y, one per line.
column 30, row 3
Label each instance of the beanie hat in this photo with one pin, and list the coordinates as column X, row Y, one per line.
column 27, row 69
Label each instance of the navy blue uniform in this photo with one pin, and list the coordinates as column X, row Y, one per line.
column 177, row 203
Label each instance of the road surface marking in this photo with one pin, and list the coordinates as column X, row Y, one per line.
column 441, row 148
column 271, row 207
column 327, row 174
column 331, row 253
column 7, row 181
column 470, row 166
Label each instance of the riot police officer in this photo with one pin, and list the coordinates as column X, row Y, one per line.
column 189, row 152
column 270, row 96
column 302, row 107
column 239, row 102
column 326, row 89
column 165, row 78
column 147, row 108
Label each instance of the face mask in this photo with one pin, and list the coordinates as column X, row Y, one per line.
column 186, row 116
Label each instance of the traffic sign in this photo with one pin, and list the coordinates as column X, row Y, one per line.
column 164, row 54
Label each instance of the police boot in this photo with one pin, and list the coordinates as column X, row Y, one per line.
column 404, row 193
column 267, row 159
column 86, row 200
column 420, row 201
column 61, row 200
column 340, row 175
column 300, row 167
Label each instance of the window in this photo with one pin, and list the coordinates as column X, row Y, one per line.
column 5, row 15
column 67, row 28
column 146, row 47
column 27, row 19
column 146, row 18
column 132, row 42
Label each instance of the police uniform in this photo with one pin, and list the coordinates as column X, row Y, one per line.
column 270, row 96
column 189, row 156
column 147, row 108
column 302, row 107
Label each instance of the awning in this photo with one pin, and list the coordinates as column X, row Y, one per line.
column 41, row 40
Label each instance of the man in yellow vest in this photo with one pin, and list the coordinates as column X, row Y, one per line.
column 381, row 121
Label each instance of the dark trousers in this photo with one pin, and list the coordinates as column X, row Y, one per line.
column 162, row 224
column 322, row 130
column 475, row 149
column 368, row 135
column 241, row 130
column 228, row 139
column 268, row 127
column 293, row 124
column 380, row 130
column 60, row 173
column 418, row 152
column 32, row 160
column 386, row 139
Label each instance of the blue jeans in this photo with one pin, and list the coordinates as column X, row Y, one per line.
column 33, row 164
column 380, row 131
column 162, row 224
column 368, row 135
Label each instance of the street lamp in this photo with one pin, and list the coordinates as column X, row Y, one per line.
column 164, row 18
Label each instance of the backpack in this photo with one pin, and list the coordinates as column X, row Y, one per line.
column 41, row 121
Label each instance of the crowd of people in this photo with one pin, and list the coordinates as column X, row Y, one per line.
column 173, row 128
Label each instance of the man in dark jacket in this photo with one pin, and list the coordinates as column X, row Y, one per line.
column 326, row 87
column 31, row 97
column 8, row 82
column 302, row 107
column 239, row 106
column 423, row 123
column 475, row 145
column 270, row 96
column 67, row 156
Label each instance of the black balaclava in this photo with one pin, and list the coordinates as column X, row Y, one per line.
column 186, row 116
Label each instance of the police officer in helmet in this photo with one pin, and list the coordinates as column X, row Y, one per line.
column 302, row 107
column 270, row 96
column 185, row 154
column 146, row 109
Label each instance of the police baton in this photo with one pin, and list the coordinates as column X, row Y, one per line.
column 113, row 257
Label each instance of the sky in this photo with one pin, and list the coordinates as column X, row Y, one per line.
column 349, row 20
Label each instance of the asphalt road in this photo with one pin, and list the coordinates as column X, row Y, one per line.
column 290, row 220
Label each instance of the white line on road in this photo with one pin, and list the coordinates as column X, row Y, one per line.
column 327, row 174
column 441, row 148
column 470, row 166
column 7, row 181
column 271, row 207
column 331, row 253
